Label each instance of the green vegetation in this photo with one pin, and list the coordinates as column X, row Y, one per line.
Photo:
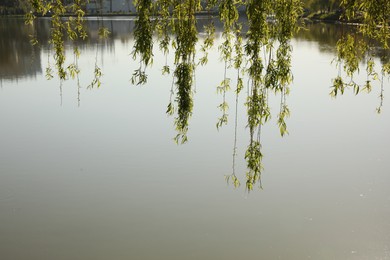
column 374, row 17
column 262, row 54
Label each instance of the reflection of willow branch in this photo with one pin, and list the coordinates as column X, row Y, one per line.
column 223, row 107
column 235, row 132
column 381, row 96
column 97, row 71
column 228, row 14
column 33, row 53
column 258, row 178
column 237, row 62
column 170, row 108
column 103, row 34
column 73, row 70
column 194, row 74
column 57, row 39
column 233, row 176
column 76, row 61
column 78, row 91
column 284, row 78
column 283, row 113
column 49, row 70
column 61, row 82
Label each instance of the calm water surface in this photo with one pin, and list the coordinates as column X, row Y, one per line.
column 95, row 174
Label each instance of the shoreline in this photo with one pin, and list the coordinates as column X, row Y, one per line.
column 331, row 17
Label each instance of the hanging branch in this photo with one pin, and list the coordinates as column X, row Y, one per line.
column 143, row 45
column 61, row 27
column 163, row 29
column 186, row 36
column 374, row 21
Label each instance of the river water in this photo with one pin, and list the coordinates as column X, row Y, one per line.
column 94, row 173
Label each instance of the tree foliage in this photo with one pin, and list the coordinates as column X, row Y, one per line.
column 373, row 28
column 262, row 54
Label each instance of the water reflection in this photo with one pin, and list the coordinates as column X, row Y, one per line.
column 325, row 35
column 276, row 76
column 18, row 58
column 105, row 181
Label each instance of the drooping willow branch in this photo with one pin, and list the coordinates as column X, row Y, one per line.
column 62, row 28
column 186, row 37
column 352, row 49
column 271, row 25
column 228, row 14
column 143, row 35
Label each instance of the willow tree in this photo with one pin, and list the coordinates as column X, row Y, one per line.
column 262, row 54
column 373, row 28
